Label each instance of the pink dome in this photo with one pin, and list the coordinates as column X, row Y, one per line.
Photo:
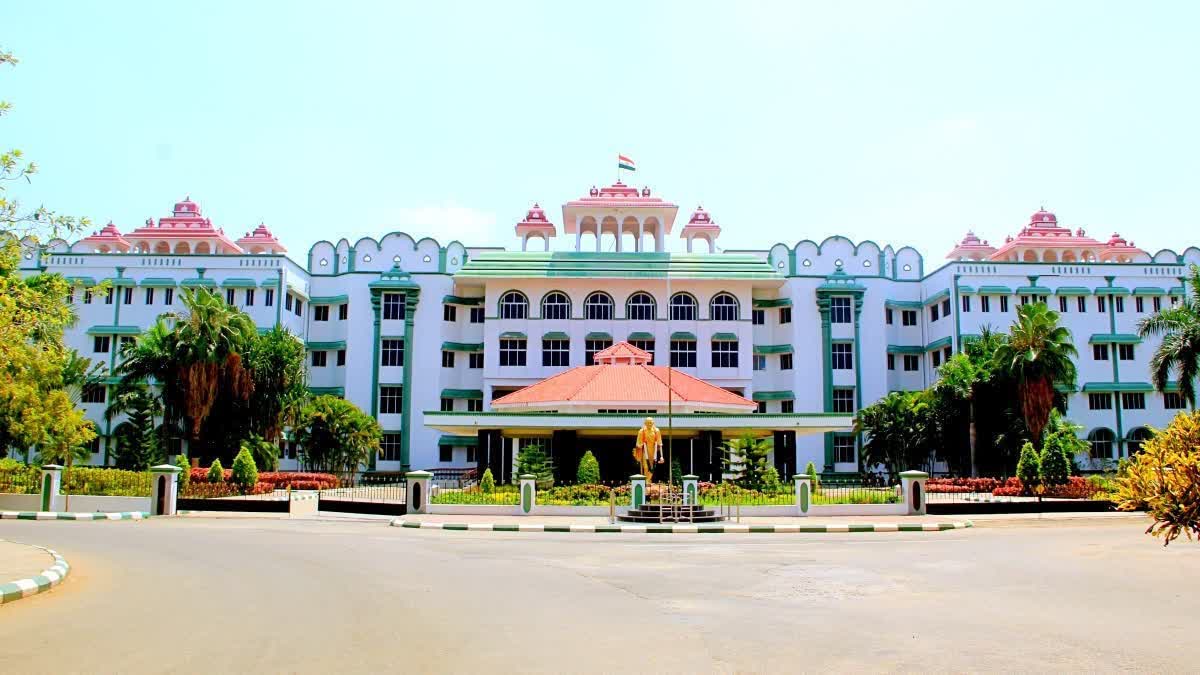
column 701, row 217
column 535, row 215
column 1044, row 218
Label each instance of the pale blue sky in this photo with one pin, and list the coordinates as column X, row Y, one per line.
column 900, row 122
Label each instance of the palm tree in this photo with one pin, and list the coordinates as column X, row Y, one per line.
column 1038, row 354
column 137, row 447
column 1180, row 348
column 151, row 359
column 898, row 431
column 964, row 373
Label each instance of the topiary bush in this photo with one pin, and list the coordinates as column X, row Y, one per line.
column 1054, row 467
column 216, row 472
column 813, row 478
column 185, row 471
column 589, row 469
column 245, row 473
column 487, row 484
column 771, row 480
column 1029, row 468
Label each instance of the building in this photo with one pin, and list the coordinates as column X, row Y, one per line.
column 436, row 340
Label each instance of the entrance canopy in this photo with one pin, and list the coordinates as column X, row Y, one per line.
column 627, row 424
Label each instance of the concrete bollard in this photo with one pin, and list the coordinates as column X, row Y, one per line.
column 912, row 487
column 691, row 490
column 803, row 493
column 637, row 491
column 418, row 491
column 164, row 489
column 528, row 493
column 51, row 486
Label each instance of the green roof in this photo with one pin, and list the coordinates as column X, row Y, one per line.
column 905, row 349
column 121, row 281
column 966, row 289
column 597, row 335
column 328, row 299
column 1033, row 290
column 512, row 335
column 80, row 281
column 903, row 304
column 114, row 330
column 157, row 282
column 239, row 282
column 197, row 282
column 683, row 335
column 1176, row 290
column 765, row 303
column 572, row 264
column 462, row 393
column 725, row 337
column 640, row 335
column 1113, row 290
column 938, row 297
column 994, row 290
column 270, row 283
column 458, row 441
column 328, row 391
column 1073, row 290
column 1063, row 388
column 1117, row 386
column 1149, row 290
column 784, row 394
column 938, row 344
column 322, row 346
column 462, row 346
column 459, row 300
column 1118, row 338
column 556, row 335
column 772, row 349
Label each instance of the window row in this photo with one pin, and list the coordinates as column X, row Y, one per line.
column 785, row 361
column 1134, row 400
column 450, row 313
column 321, row 312
column 557, row 352
column 1124, row 352
column 320, row 358
column 1077, row 304
column 758, row 317
column 908, row 317
column 639, row 306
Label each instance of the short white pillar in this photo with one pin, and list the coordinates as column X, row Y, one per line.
column 51, row 486
column 418, row 491
column 803, row 493
column 912, row 487
column 691, row 490
column 164, row 489
column 528, row 493
column 637, row 491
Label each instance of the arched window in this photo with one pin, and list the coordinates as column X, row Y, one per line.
column 1136, row 438
column 723, row 307
column 1101, row 441
column 683, row 307
column 556, row 305
column 598, row 305
column 640, row 306
column 514, row 305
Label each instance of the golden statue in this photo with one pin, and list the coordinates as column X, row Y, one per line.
column 648, row 448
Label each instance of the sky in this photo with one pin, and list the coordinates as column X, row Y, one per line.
column 898, row 122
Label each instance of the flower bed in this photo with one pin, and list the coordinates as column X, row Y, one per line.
column 216, row 490
column 278, row 480
column 962, row 485
column 1077, row 487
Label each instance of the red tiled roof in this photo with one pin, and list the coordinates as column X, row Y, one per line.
column 632, row 384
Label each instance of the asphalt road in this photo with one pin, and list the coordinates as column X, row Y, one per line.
column 237, row 595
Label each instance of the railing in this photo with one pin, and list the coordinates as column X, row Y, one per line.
column 387, row 488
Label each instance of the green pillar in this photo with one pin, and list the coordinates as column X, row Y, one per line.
column 410, row 308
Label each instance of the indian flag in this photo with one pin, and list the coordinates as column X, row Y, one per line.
column 624, row 162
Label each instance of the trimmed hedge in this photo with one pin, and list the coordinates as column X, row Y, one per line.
column 280, row 480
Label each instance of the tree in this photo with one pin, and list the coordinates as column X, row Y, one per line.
column 1164, row 479
column 746, row 459
column 1180, row 348
column 277, row 364
column 137, row 443
column 264, row 453
column 244, row 473
column 1054, row 467
column 532, row 459
column 216, row 472
column 897, row 428
column 964, row 374
column 1029, row 468
column 487, row 484
column 1038, row 354
column 335, row 435
column 589, row 469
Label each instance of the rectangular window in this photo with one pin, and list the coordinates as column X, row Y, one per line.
column 785, row 315
column 936, row 357
column 390, row 400
column 1062, row 304
column 1139, row 304
column 269, row 297
column 94, row 446
column 101, row 344
column 127, row 295
column 646, row 346
column 108, row 297
column 787, row 405
column 126, row 340
column 393, row 306
column 1024, row 299
column 391, row 352
column 1156, row 303
column 343, row 311
column 320, row 312
column 168, row 296
column 843, row 355
column 512, row 352
column 471, row 458
column 389, row 448
column 785, row 361
column 724, row 354
column 966, row 303
column 1042, row 299
column 341, row 357
column 1003, row 303
column 474, row 405
column 229, row 293
column 891, row 361
column 249, row 297
column 985, row 303
column 758, row 317
column 590, row 347
column 447, row 405
column 908, row 317
column 843, row 400
column 1174, row 300
column 911, row 363
column 1133, row 400
column 71, row 295
column 1099, row 401
column 946, row 307
column 1081, row 304
column 87, row 296
column 839, row 310
column 1099, row 352
column 449, row 313
column 319, row 358
column 475, row 360
column 149, row 296
column 843, row 449
column 445, row 453
column 887, row 316
column 947, row 353
column 1125, row 352
column 1173, row 400
column 556, row 353
column 683, row 353
column 93, row 393
column 299, row 307
column 760, row 362
column 447, row 359
column 476, row 315
column 1119, row 301
column 933, row 312
column 762, row 407
column 1100, row 305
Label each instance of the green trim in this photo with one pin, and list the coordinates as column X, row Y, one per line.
column 1114, row 338
column 1117, row 387
column 1034, row 290
column 459, row 300
column 640, row 335
column 772, row 349
column 937, row 297
column 763, row 303
column 157, row 282
column 624, row 265
column 462, row 346
column 329, row 299
column 905, row 349
column 513, row 335
column 703, row 528
column 114, row 330
column 995, row 290
column 1072, row 290
column 1064, row 389
column 394, row 279
column 724, row 337
column 410, row 310
column 119, row 281
column 462, row 393
column 683, row 335
column 1149, row 290
column 458, row 441
column 239, row 282
column 1176, row 290
column 1111, row 290
column 81, row 281
column 597, row 335
column 273, row 282
column 781, row 395
column 323, row 346
column 904, row 304
column 940, row 343
column 327, row 391
column 198, row 282
column 555, row 335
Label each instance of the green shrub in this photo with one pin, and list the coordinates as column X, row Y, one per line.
column 487, row 484
column 813, row 478
column 676, row 471
column 245, row 473
column 1054, row 464
column 185, row 471
column 1029, row 467
column 589, row 469
column 264, row 453
column 533, row 460
column 771, row 480
column 216, row 472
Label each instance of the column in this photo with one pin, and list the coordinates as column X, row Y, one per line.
column 691, row 490
column 641, row 230
column 803, row 493
column 410, row 309
column 164, row 489
column 51, row 483
column 637, row 491
column 912, row 488
column 418, row 491
column 528, row 493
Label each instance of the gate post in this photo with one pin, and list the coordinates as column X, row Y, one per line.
column 165, row 489
column 51, row 483
column 912, row 488
column 691, row 490
column 637, row 491
column 418, row 491
column 803, row 493
column 528, row 493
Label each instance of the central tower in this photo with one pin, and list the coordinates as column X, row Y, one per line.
column 619, row 211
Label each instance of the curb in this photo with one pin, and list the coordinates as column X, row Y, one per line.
column 49, row 578
column 687, row 529
column 55, row 515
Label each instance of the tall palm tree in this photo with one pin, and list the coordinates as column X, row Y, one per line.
column 1180, row 348
column 964, row 373
column 1038, row 354
column 151, row 359
column 211, row 338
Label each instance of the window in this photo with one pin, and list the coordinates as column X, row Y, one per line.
column 108, row 297
column 724, row 354
column 475, row 360
column 391, row 352
column 640, row 307
column 787, row 405
column 1156, row 303
column 1099, row 401
column 1139, row 304
column 149, row 296
column 646, row 346
column 393, row 306
column 1081, row 304
column 299, row 308
column 933, row 312
column 762, row 407
column 71, row 295
column 512, row 352
column 946, row 307
column 1174, row 300
column 168, row 296
column 760, row 362
column 683, row 353
column 891, row 361
column 1125, row 352
column 1119, row 301
column 343, row 311
column 758, row 317
column 1042, row 299
column 1099, row 352
column 785, row 361
column 93, row 393
column 887, row 316
column 101, row 344
column 94, row 446
column 447, row 405
column 985, row 303
column 1133, row 445
column 287, row 304
column 449, row 313
column 471, row 459
column 1173, row 400
column 248, row 296
column 556, row 306
column 87, row 296
column 445, row 453
column 683, row 307
column 1024, row 299
column 590, row 347
column 447, row 359
column 1101, row 441
column 555, row 353
column 936, row 357
column 390, row 400
column 229, row 293
column 127, row 295
column 839, row 310
column 843, row 355
column 724, row 307
column 1133, row 400
column 513, row 305
column 598, row 306
column 908, row 317
column 843, row 449
column 1062, row 304
column 268, row 297
column 947, row 353
column 126, row 341
column 389, row 448
column 319, row 358
column 341, row 357
column 966, row 303
column 1100, row 306
column 911, row 363
column 474, row 405
column 320, row 312
column 476, row 315
column 843, row 400
column 785, row 315
column 1003, row 303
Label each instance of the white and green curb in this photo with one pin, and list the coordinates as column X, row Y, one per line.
column 49, row 578
column 52, row 515
column 686, row 529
